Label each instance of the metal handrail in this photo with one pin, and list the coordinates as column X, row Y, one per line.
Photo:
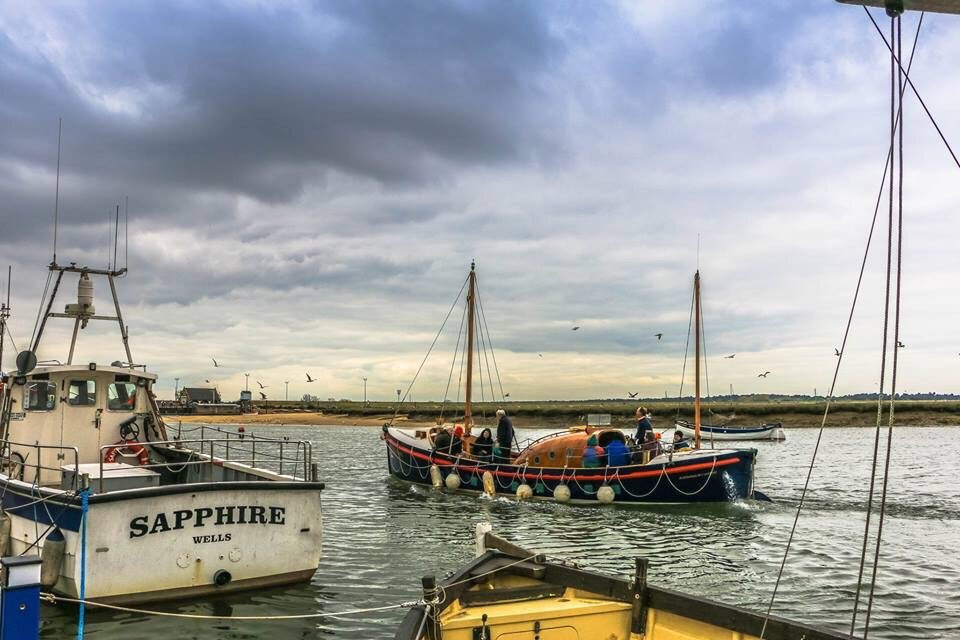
column 6, row 452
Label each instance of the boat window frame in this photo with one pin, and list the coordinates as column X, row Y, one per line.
column 26, row 395
column 132, row 408
column 92, row 396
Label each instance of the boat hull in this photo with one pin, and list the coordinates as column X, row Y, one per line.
column 772, row 431
column 175, row 541
column 702, row 476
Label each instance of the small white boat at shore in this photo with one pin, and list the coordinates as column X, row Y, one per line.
column 118, row 509
column 771, row 431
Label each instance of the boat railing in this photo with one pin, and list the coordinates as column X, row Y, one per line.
column 280, row 456
column 33, row 461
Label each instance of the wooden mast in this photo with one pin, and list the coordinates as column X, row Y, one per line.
column 696, row 404
column 471, row 292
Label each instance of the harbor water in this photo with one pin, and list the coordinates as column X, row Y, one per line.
column 382, row 535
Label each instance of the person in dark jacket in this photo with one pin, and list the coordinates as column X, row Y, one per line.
column 482, row 447
column 441, row 440
column 504, row 435
column 679, row 442
column 617, row 454
column 643, row 424
column 456, row 443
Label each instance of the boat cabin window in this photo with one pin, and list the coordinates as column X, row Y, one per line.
column 609, row 436
column 83, row 393
column 40, row 396
column 121, row 396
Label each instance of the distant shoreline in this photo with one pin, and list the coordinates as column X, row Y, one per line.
column 840, row 418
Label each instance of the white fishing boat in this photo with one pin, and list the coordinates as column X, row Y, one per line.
column 120, row 509
column 771, row 431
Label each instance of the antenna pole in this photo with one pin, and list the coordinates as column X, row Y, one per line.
column 126, row 232
column 696, row 408
column 116, row 231
column 56, row 197
column 471, row 294
column 4, row 314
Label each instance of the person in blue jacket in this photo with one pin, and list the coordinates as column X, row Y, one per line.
column 617, row 454
column 592, row 453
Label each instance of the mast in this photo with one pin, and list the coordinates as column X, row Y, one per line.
column 471, row 290
column 4, row 314
column 696, row 404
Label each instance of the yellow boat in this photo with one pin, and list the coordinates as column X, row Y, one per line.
column 510, row 593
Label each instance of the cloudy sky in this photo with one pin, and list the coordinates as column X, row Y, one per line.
column 309, row 181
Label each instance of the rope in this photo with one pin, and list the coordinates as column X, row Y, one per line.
column 51, row 598
column 43, row 299
column 700, row 490
column 896, row 341
column 886, row 337
column 836, row 371
column 432, row 345
column 493, row 354
column 456, row 350
column 906, row 75
column 686, row 351
column 491, row 572
column 84, row 503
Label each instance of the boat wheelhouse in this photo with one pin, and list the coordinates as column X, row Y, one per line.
column 166, row 514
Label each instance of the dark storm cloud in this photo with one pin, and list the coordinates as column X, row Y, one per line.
column 258, row 101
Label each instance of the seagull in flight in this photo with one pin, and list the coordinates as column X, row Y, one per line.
column 659, row 335
column 215, row 363
column 263, row 396
column 506, row 395
column 633, row 395
column 309, row 379
column 576, row 328
column 900, row 345
column 539, row 355
column 731, row 356
column 836, row 352
column 207, row 381
column 262, row 386
column 763, row 375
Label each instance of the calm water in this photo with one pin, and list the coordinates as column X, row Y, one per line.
column 382, row 535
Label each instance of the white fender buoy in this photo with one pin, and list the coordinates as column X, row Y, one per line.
column 605, row 494
column 436, row 478
column 452, row 481
column 489, row 487
column 51, row 557
column 524, row 492
column 561, row 493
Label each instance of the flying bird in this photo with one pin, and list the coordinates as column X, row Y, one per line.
column 576, row 328
column 836, row 352
column 659, row 335
column 763, row 375
column 215, row 363
column 539, row 355
column 633, row 395
column 900, row 345
column 263, row 396
column 309, row 379
column 506, row 395
column 262, row 386
column 207, row 381
column 732, row 355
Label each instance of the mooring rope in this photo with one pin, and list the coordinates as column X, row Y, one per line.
column 53, row 599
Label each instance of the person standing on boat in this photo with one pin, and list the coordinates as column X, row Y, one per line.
column 504, row 435
column 643, row 424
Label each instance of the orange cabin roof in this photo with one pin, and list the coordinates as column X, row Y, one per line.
column 564, row 450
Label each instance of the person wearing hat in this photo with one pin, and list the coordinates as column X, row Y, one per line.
column 504, row 435
column 643, row 424
column 592, row 453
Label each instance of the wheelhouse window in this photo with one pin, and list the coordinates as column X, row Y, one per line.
column 121, row 396
column 82, row 393
column 40, row 396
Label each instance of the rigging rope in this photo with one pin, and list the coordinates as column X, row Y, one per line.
column 453, row 364
column 896, row 342
column 493, row 353
column 906, row 75
column 686, row 350
column 843, row 345
column 886, row 333
column 432, row 345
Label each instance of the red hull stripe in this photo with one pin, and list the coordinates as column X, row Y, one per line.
column 687, row 468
